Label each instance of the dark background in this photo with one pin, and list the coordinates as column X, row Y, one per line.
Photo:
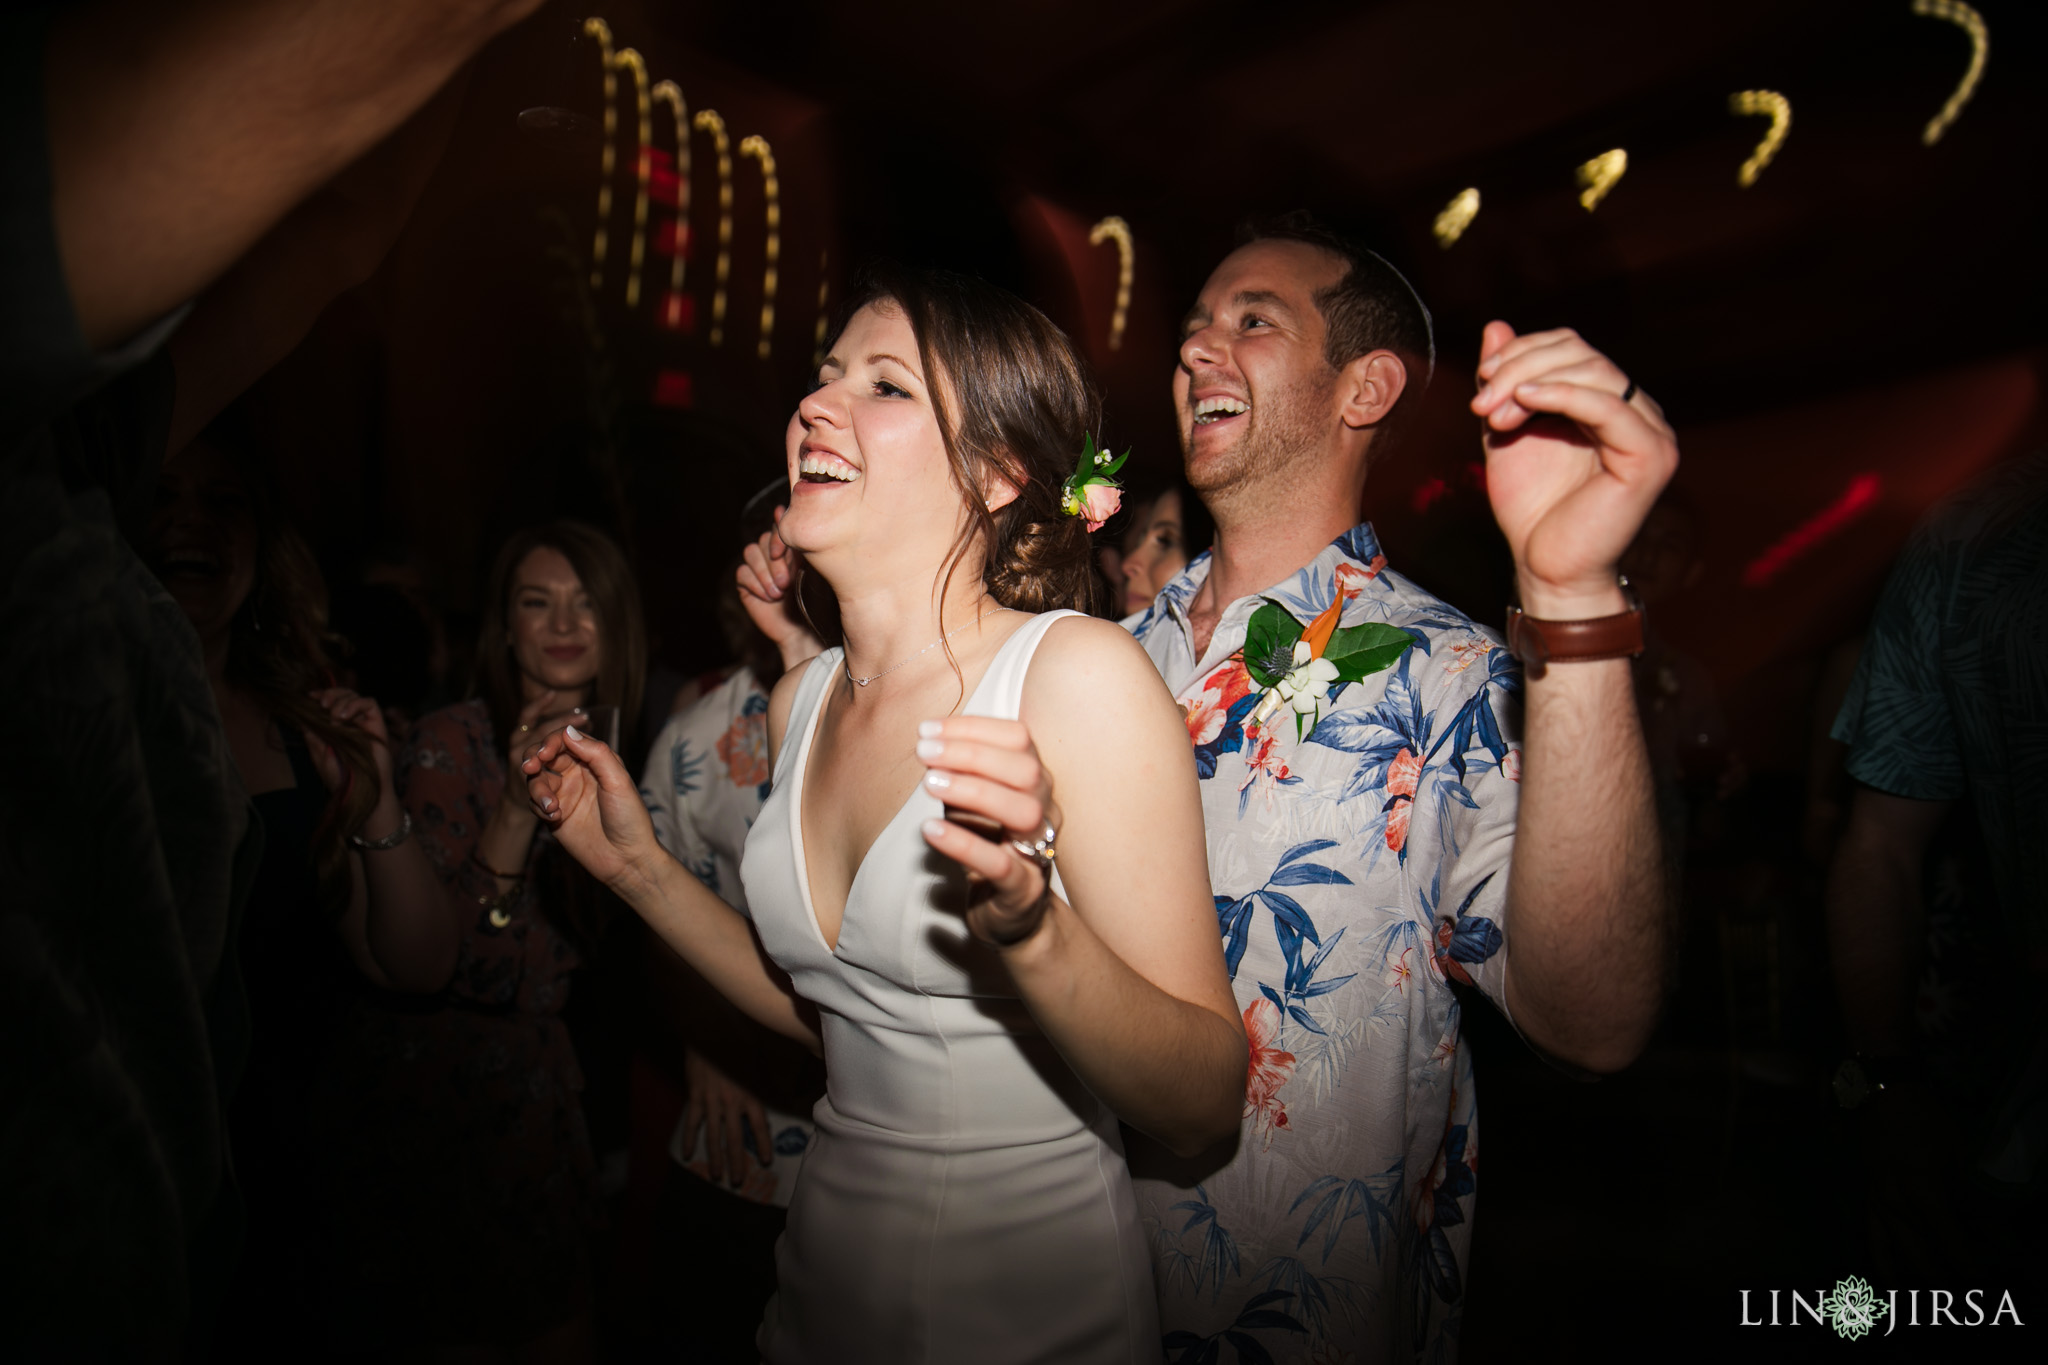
column 1870, row 307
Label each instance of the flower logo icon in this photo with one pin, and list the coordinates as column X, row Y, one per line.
column 1853, row 1308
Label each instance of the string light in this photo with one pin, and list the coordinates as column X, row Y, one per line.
column 601, row 31
column 643, row 159
column 757, row 147
column 711, row 121
column 1598, row 176
column 1117, row 230
column 1972, row 23
column 671, row 94
column 1779, row 110
column 1456, row 217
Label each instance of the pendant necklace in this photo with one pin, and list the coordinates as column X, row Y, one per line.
column 863, row 682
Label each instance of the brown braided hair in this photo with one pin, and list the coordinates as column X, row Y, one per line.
column 1015, row 401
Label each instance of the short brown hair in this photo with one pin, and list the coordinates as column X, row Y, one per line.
column 1373, row 307
column 621, row 633
column 1014, row 400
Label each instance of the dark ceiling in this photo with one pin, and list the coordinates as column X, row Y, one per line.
column 1863, row 265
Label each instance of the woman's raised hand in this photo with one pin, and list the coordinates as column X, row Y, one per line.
column 538, row 719
column 579, row 787
column 767, row 582
column 988, row 773
column 345, row 707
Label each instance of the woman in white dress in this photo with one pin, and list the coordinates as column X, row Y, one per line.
column 985, row 1019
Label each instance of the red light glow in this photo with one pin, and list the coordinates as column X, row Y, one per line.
column 673, row 389
column 1429, row 492
column 679, row 312
column 1861, row 497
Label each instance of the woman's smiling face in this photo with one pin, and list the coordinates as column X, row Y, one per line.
column 870, row 481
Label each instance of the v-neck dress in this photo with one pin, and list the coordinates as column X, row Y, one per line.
column 966, row 1197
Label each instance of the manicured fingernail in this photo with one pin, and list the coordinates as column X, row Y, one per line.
column 1526, row 389
column 578, row 711
column 1485, row 393
column 573, row 732
column 937, row 780
column 934, row 829
column 547, row 803
column 930, row 729
column 930, row 748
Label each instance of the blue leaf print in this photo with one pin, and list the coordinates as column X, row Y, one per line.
column 1303, row 1018
column 1474, row 939
column 1229, row 740
column 1249, row 1352
column 1287, row 910
column 684, row 770
column 1235, row 918
column 1219, row 1249
column 1316, row 988
column 1255, row 1316
column 1338, row 1201
column 1353, row 731
column 1360, row 543
column 1300, row 851
column 1308, row 874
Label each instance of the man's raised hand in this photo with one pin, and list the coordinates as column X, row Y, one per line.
column 1571, row 468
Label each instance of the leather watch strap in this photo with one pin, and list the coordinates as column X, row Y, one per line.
column 1539, row 643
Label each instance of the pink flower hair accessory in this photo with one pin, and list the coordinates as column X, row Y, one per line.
column 1093, row 493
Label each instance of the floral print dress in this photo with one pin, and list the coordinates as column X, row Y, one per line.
column 466, row 1163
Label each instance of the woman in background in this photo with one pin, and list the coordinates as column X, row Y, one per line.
column 343, row 900
column 475, row 1205
column 1167, row 533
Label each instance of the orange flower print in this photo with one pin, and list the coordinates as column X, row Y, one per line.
column 743, row 749
column 1401, row 971
column 1268, row 1070
column 1402, row 776
column 1397, row 822
column 1470, row 653
column 1264, row 769
column 1403, row 773
column 1451, row 966
column 1208, row 710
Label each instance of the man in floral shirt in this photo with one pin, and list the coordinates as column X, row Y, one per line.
column 1375, row 826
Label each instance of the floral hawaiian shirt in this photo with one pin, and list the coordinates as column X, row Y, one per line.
column 1359, row 868
column 706, row 778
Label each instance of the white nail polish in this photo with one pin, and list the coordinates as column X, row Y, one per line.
column 937, row 780
column 573, row 732
column 929, row 749
column 930, row 729
column 934, row 829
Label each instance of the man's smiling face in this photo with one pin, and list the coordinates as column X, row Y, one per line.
column 1254, row 391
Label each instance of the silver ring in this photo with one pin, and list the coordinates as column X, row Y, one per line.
column 1041, row 850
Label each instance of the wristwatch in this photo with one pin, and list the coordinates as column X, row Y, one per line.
column 1539, row 643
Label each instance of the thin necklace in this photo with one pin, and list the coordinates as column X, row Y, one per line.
column 863, row 682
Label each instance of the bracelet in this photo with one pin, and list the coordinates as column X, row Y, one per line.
column 389, row 841
column 1539, row 643
column 478, row 859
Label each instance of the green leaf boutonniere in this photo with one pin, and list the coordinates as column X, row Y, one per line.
column 1297, row 665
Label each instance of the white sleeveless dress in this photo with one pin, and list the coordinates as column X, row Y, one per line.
column 966, row 1198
